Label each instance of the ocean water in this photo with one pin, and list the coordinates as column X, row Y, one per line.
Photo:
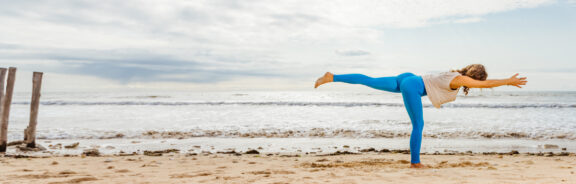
column 295, row 121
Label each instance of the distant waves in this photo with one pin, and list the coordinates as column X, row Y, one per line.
column 288, row 103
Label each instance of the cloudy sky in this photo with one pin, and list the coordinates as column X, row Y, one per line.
column 281, row 44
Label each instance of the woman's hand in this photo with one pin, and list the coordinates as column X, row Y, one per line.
column 515, row 81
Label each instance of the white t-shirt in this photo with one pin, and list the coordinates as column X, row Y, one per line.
column 438, row 87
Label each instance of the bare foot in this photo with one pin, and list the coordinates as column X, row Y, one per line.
column 418, row 166
column 328, row 77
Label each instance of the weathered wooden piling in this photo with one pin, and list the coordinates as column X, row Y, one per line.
column 2, row 84
column 6, row 102
column 35, row 102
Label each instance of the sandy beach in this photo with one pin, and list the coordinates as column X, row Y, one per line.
column 271, row 168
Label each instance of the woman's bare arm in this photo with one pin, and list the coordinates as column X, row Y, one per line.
column 472, row 83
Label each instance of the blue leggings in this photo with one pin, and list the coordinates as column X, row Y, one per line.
column 412, row 89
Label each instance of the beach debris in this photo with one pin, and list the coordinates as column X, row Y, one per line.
column 21, row 146
column 110, row 147
column 19, row 156
column 445, row 164
column 260, row 172
column 152, row 153
column 289, row 155
column 54, row 163
column 67, row 172
column 489, row 153
column 72, row 146
column 37, row 147
column 227, row 151
column 251, row 152
column 384, row 150
column 191, row 154
column 185, row 175
column 151, row 164
column 56, row 146
column 122, row 171
column 400, row 151
column 549, row 146
column 91, row 152
column 551, row 154
column 339, row 153
column 108, row 160
column 368, row 150
column 14, row 143
column 110, row 167
column 122, row 153
column 82, row 179
column 514, row 152
column 346, row 146
column 160, row 152
column 351, row 164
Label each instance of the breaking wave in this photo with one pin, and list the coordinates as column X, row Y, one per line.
column 313, row 133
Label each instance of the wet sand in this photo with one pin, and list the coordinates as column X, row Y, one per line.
column 261, row 168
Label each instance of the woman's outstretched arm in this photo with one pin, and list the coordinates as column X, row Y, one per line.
column 472, row 83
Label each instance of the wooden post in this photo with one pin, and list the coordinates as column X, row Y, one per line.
column 35, row 102
column 2, row 84
column 6, row 102
column 25, row 134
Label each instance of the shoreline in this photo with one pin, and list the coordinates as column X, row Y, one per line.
column 367, row 167
column 314, row 146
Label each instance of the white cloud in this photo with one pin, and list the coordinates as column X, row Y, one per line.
column 468, row 20
column 227, row 22
column 352, row 52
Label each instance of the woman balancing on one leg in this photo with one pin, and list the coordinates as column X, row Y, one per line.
column 440, row 88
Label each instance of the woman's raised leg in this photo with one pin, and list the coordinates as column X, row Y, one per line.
column 382, row 83
column 390, row 84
